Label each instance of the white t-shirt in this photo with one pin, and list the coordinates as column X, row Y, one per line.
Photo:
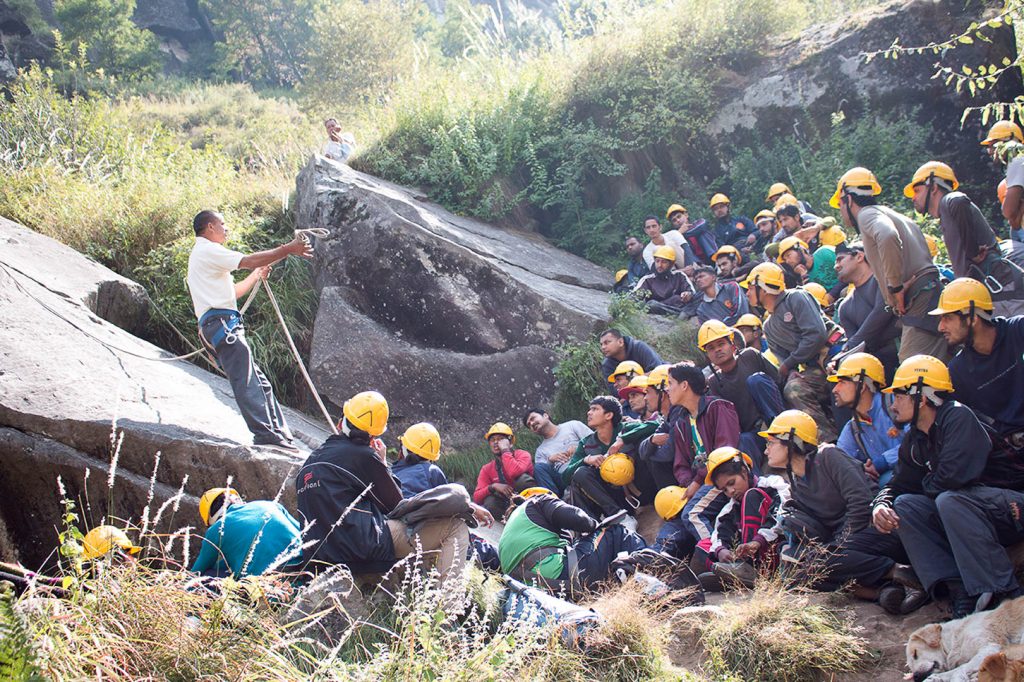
column 1015, row 172
column 672, row 238
column 567, row 436
column 209, row 276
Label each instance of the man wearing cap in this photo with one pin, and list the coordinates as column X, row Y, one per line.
column 972, row 245
column 954, row 529
column 723, row 301
column 552, row 455
column 797, row 335
column 898, row 254
column 870, row 436
column 738, row 231
column 863, row 313
column 509, row 471
column 673, row 239
column 618, row 348
column 1004, row 141
column 666, row 291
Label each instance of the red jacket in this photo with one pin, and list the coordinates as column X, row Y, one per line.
column 717, row 424
column 514, row 464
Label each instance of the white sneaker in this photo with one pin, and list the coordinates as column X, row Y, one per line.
column 629, row 522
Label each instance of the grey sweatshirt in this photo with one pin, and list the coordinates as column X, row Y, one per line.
column 894, row 246
column 834, row 490
column 795, row 331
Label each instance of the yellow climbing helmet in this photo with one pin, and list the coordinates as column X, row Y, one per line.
column 712, row 330
column 785, row 200
column 768, row 276
column 675, row 208
column 500, row 429
column 367, row 411
column 620, row 274
column 618, row 469
column 720, row 456
column 670, row 501
column 818, row 292
column 1003, row 131
column 764, row 215
column 856, row 365
column 793, row 424
column 626, row 367
column 963, row 295
column 728, row 250
column 776, row 190
column 859, row 181
column 718, row 199
column 658, row 377
column 748, row 320
column 638, row 384
column 924, row 370
column 930, row 170
column 207, row 500
column 665, row 252
column 536, row 490
column 832, row 235
column 788, row 244
column 422, row 439
column 101, row 539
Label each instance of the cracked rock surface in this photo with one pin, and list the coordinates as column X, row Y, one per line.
column 66, row 374
column 455, row 321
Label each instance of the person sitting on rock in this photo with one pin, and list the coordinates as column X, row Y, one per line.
column 623, row 373
column 105, row 540
column 417, row 469
column 637, row 267
column 949, row 500
column 245, row 538
column 738, row 231
column 617, row 348
column 830, row 540
column 339, row 145
column 508, row 472
column 727, row 259
column 870, row 436
column 863, row 314
column 747, row 527
column 797, row 336
column 723, row 301
column 214, row 298
column 681, row 255
column 819, row 267
column 666, row 291
column 708, row 424
column 649, row 440
column 751, row 329
column 345, row 492
column 537, row 545
column 746, row 379
column 552, row 455
column 634, row 400
column 586, row 488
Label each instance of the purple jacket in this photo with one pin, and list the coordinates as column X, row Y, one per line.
column 717, row 424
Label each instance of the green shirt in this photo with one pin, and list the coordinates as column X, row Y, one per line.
column 824, row 270
column 520, row 537
column 591, row 445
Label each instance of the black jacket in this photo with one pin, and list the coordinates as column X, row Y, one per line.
column 637, row 351
column 329, row 482
column 952, row 455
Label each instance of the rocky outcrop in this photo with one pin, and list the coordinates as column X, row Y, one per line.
column 67, row 376
column 452, row 319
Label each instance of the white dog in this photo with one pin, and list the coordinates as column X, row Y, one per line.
column 954, row 651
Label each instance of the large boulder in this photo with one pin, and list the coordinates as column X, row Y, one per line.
column 71, row 378
column 454, row 320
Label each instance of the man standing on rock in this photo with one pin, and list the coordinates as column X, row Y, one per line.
column 214, row 296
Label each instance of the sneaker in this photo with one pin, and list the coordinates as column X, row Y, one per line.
column 736, row 572
column 628, row 522
column 284, row 447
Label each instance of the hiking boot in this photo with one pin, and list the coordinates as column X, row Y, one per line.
column 891, row 598
column 281, row 446
column 904, row 575
column 961, row 604
column 736, row 572
column 709, row 582
column 913, row 600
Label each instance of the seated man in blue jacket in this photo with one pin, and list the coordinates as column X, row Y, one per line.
column 870, row 436
column 245, row 538
column 416, row 470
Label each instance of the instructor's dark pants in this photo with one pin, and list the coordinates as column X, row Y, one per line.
column 865, row 555
column 962, row 535
column 592, row 494
column 253, row 393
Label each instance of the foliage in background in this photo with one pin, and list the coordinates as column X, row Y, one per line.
column 113, row 43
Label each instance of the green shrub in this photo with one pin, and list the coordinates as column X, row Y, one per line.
column 113, row 43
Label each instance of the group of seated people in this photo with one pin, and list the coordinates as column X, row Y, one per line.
column 865, row 435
